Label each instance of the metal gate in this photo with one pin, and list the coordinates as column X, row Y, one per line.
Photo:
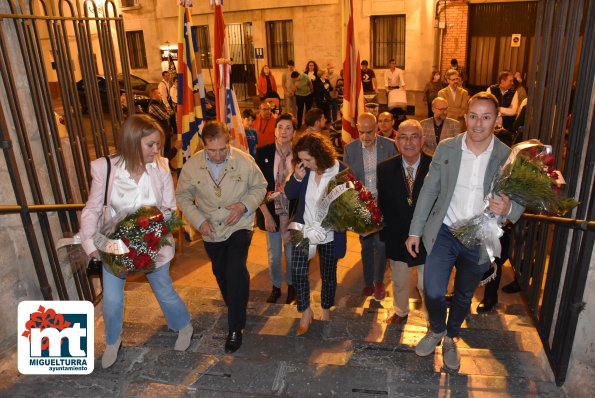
column 48, row 163
column 490, row 50
column 552, row 255
column 241, row 49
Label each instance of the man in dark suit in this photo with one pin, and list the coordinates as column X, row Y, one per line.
column 400, row 179
column 363, row 156
column 453, row 192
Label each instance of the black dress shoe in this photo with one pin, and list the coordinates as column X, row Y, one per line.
column 274, row 296
column 291, row 296
column 512, row 287
column 486, row 306
column 233, row 342
column 449, row 297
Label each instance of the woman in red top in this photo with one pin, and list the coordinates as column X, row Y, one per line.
column 266, row 85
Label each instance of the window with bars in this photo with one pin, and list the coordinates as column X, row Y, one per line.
column 388, row 40
column 201, row 34
column 279, row 43
column 136, row 49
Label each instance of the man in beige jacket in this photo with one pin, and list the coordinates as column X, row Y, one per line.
column 218, row 191
column 456, row 96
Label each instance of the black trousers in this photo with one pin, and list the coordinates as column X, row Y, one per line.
column 228, row 259
column 304, row 103
column 491, row 288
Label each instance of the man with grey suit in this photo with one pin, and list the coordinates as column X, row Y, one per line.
column 363, row 156
column 439, row 127
column 453, row 192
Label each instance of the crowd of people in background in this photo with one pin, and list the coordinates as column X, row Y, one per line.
column 223, row 192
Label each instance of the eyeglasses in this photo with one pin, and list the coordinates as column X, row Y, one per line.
column 440, row 109
column 369, row 132
column 408, row 137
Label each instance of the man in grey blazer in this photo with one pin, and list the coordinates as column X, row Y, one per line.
column 439, row 127
column 453, row 192
column 363, row 156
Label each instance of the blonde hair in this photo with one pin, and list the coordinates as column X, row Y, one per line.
column 135, row 128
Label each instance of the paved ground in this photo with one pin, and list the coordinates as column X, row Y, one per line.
column 354, row 355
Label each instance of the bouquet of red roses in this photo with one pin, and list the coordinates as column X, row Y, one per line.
column 355, row 209
column 527, row 177
column 130, row 244
column 345, row 205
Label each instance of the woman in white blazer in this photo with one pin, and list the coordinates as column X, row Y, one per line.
column 139, row 177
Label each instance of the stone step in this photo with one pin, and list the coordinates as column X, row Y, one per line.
column 356, row 354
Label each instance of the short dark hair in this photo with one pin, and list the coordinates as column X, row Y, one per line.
column 248, row 113
column 364, row 62
column 504, row 75
column 164, row 73
column 313, row 115
column 484, row 96
column 454, row 61
column 319, row 147
column 295, row 74
column 288, row 116
column 290, row 62
column 214, row 129
column 391, row 60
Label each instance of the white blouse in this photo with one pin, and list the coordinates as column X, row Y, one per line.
column 128, row 195
column 313, row 194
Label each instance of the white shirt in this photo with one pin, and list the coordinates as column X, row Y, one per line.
column 468, row 197
column 128, row 195
column 173, row 93
column 164, row 92
column 414, row 165
column 370, row 160
column 392, row 79
column 313, row 194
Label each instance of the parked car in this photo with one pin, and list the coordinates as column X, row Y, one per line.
column 140, row 91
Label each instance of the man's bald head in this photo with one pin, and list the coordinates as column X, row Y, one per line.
column 366, row 126
column 366, row 117
column 439, row 108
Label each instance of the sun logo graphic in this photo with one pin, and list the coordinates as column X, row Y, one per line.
column 56, row 337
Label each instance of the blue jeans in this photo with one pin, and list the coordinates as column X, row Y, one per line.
column 373, row 258
column 275, row 248
column 173, row 308
column 447, row 251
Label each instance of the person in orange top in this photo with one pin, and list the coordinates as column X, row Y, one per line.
column 266, row 85
column 265, row 125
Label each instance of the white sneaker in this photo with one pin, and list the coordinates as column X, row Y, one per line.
column 450, row 354
column 184, row 338
column 110, row 354
column 428, row 343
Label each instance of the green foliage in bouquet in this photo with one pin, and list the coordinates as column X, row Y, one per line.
column 528, row 183
column 144, row 233
column 354, row 210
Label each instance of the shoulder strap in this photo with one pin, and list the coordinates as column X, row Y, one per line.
column 109, row 168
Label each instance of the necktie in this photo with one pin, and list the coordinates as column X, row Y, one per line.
column 410, row 177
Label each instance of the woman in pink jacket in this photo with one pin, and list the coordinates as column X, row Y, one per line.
column 138, row 177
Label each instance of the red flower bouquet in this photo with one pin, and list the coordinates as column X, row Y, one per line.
column 130, row 245
column 345, row 205
column 527, row 178
column 355, row 210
